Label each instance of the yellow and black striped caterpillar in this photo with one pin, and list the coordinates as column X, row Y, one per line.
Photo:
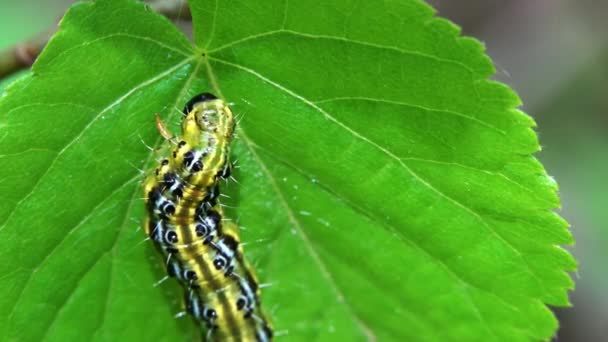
column 186, row 223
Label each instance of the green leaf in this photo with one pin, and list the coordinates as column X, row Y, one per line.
column 582, row 174
column 386, row 185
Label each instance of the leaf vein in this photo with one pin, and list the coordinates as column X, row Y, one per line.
column 489, row 172
column 28, row 150
column 126, row 35
column 390, row 154
column 213, row 25
column 95, row 118
column 367, row 331
column 63, row 239
column 462, row 282
column 146, row 162
column 345, row 40
column 340, row 297
column 425, row 108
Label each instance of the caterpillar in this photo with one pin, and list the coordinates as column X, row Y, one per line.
column 187, row 225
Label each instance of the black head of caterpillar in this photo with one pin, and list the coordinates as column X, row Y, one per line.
column 204, row 97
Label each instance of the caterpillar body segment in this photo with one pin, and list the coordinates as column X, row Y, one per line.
column 187, row 225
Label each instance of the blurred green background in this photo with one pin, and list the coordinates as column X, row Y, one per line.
column 554, row 53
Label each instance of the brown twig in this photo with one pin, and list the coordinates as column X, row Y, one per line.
column 22, row 55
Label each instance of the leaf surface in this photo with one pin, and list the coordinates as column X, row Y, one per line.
column 387, row 188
